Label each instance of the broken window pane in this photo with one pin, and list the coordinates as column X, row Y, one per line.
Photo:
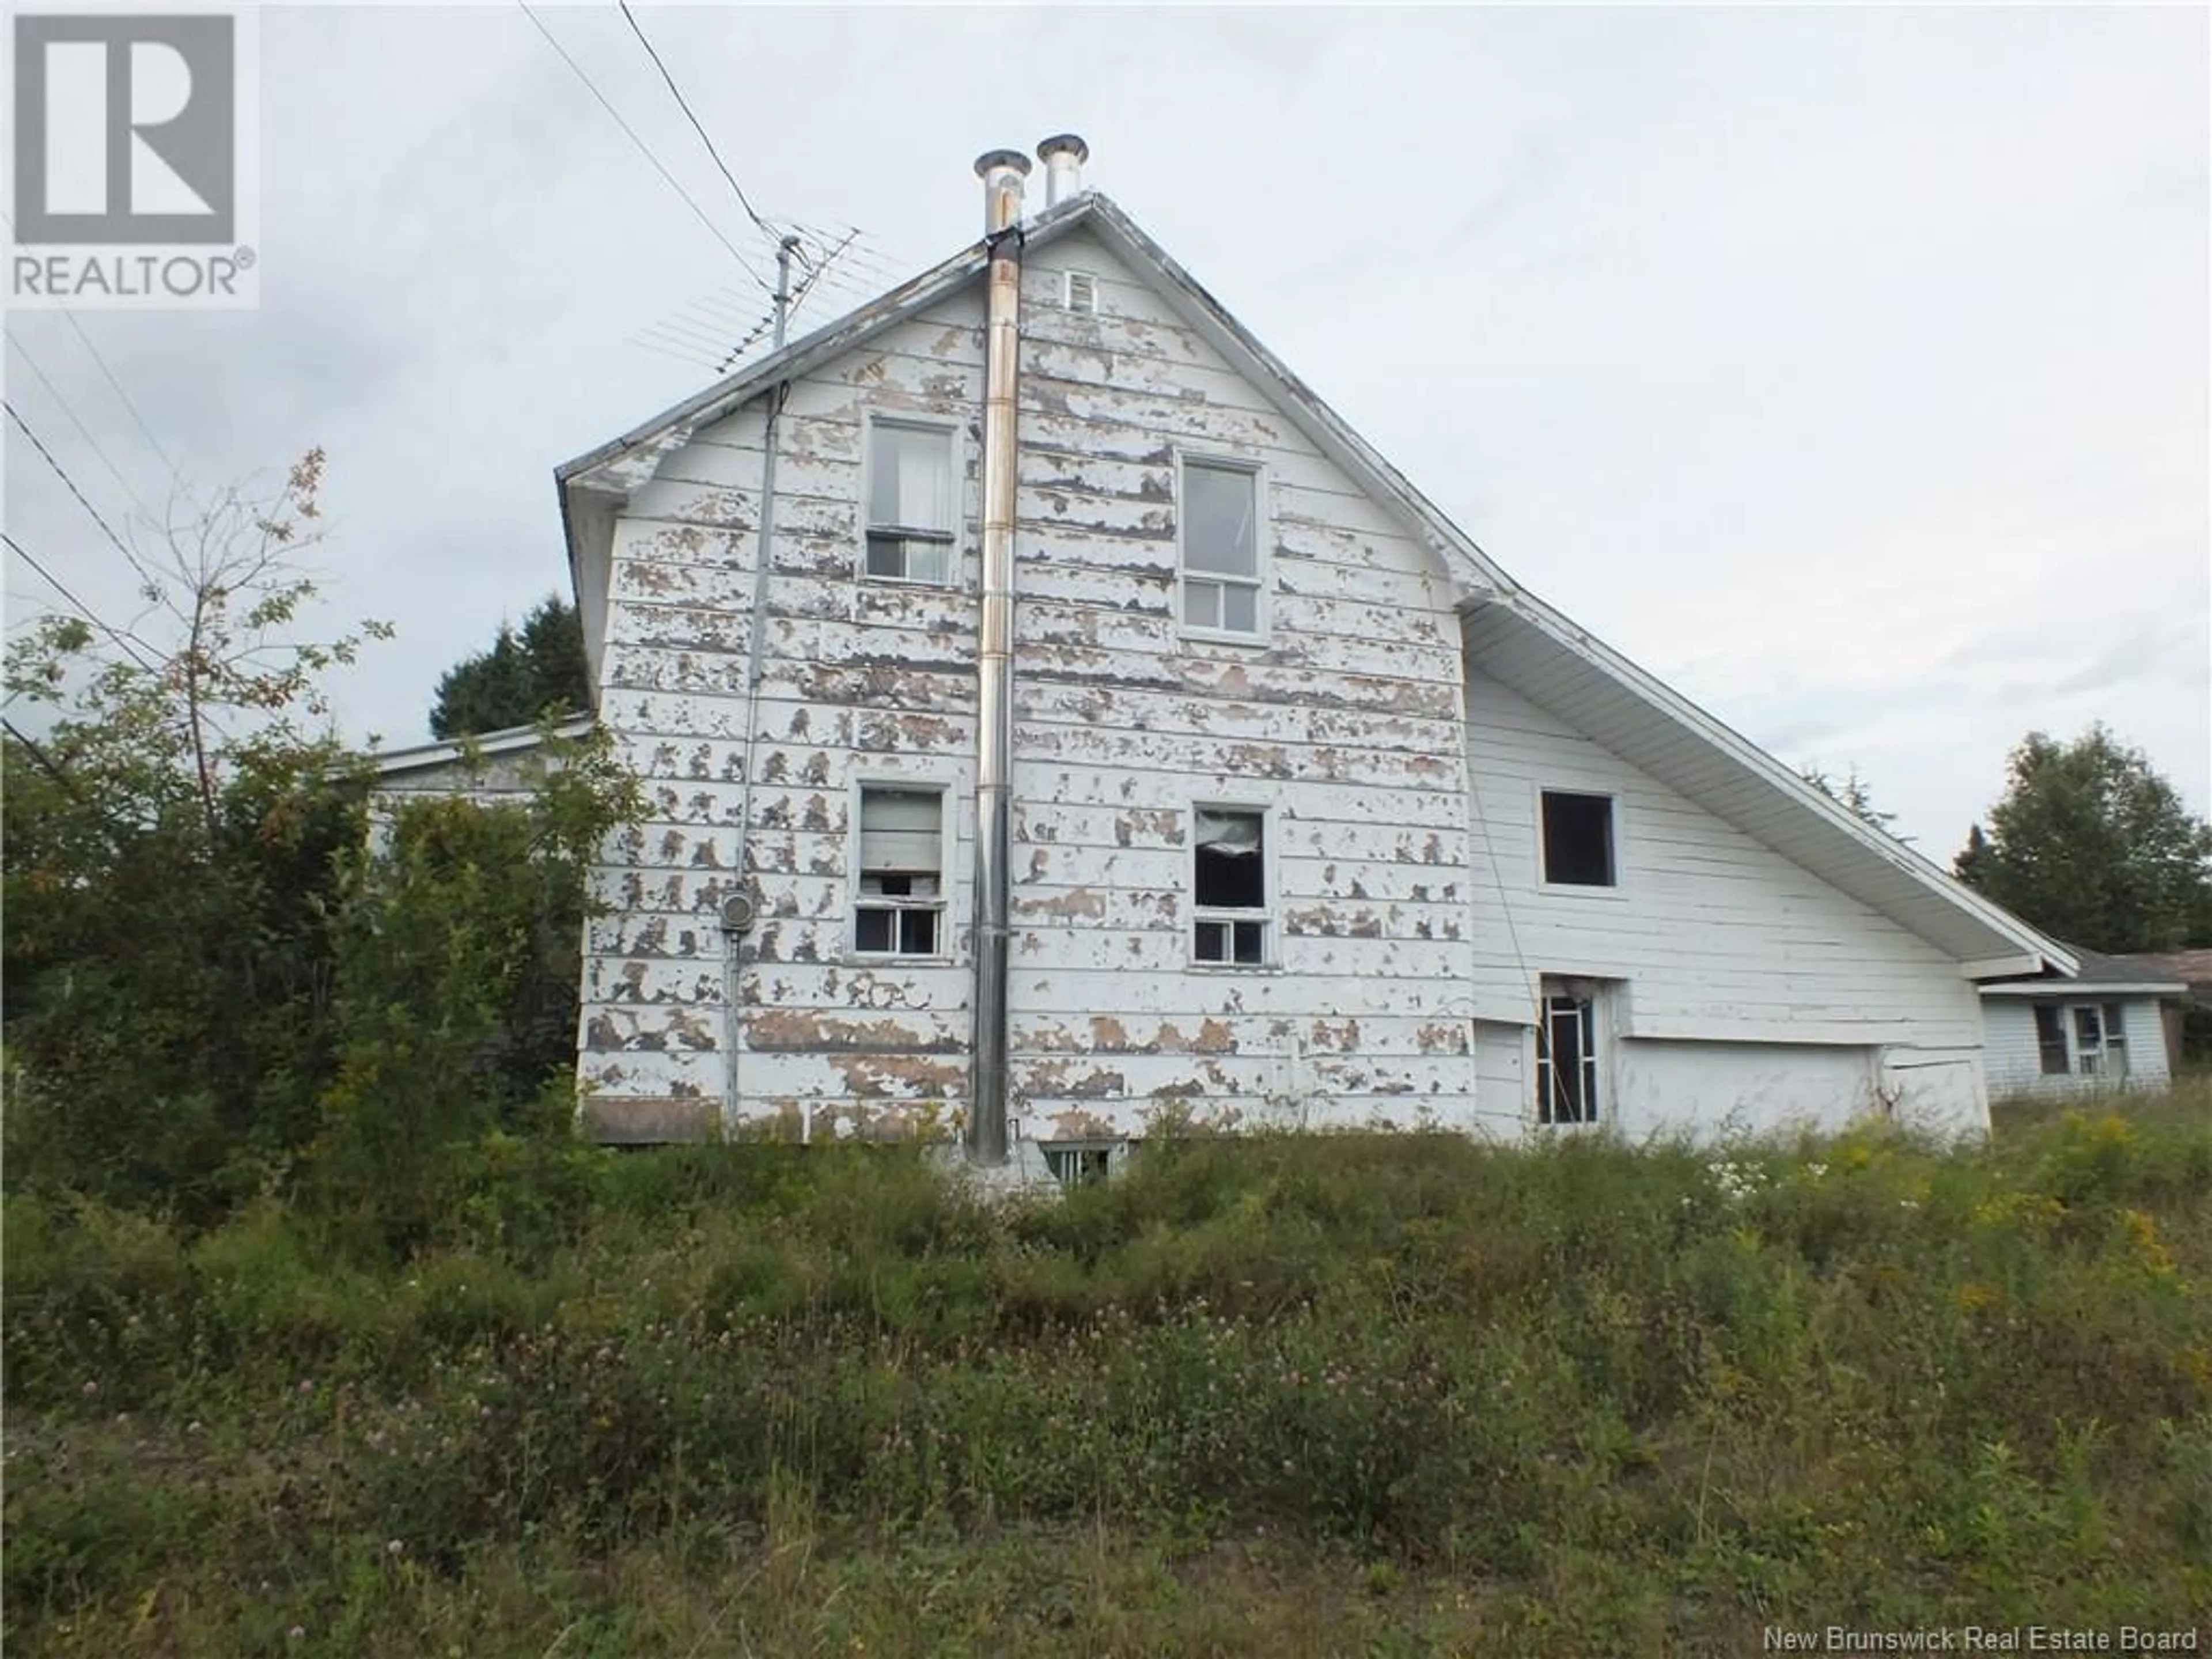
column 1566, row 1058
column 1577, row 839
column 1232, row 868
column 901, row 858
column 2051, row 1040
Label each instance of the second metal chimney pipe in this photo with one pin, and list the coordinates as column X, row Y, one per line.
column 1002, row 172
column 1063, row 155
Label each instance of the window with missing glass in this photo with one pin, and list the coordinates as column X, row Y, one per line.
column 1222, row 589
column 899, row 907
column 913, row 503
column 1578, row 840
column 1228, row 875
column 2081, row 1039
column 1567, row 1070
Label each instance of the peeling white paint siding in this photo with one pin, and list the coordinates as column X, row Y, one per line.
column 2015, row 1063
column 860, row 682
column 1344, row 724
column 1409, row 928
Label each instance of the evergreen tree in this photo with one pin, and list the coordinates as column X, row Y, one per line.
column 525, row 674
column 1852, row 793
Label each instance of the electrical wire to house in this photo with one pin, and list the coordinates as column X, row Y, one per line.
column 644, row 148
column 69, row 412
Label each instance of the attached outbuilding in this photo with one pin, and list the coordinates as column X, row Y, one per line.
column 2113, row 1023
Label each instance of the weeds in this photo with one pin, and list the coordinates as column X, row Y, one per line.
column 1640, row 1397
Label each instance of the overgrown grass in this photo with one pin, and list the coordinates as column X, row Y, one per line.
column 1391, row 1395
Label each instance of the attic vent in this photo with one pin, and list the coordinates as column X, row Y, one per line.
column 1082, row 291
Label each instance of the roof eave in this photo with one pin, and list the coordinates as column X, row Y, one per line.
column 445, row 751
column 2078, row 989
column 2001, row 925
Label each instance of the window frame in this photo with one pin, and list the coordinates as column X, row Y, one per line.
column 1593, row 998
column 856, row 900
column 2107, row 1060
column 954, row 540
column 1265, row 915
column 1261, row 581
column 2053, row 1042
column 1070, row 1163
column 1617, row 832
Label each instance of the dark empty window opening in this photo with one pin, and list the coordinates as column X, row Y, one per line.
column 1078, row 1166
column 1230, row 888
column 2051, row 1040
column 1566, row 1054
column 1578, row 848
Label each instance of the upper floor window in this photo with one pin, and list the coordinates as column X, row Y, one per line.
column 1221, row 585
column 1578, row 840
column 900, row 908
column 913, row 497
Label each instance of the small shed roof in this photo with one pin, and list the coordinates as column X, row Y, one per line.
column 2106, row 975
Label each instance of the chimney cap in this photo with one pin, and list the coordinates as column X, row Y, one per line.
column 1061, row 143
column 992, row 159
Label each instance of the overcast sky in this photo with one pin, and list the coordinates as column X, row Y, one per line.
column 1848, row 369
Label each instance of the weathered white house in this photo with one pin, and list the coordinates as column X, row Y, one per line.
column 1053, row 712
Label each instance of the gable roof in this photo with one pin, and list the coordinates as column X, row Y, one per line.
column 1507, row 631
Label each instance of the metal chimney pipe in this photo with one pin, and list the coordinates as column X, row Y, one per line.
column 1002, row 172
column 1063, row 155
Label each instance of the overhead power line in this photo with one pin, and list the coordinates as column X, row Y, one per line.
column 83, row 609
column 175, row 473
column 83, row 431
column 643, row 148
column 714, row 154
column 62, row 472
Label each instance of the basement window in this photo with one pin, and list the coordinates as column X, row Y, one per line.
column 1579, row 849
column 1079, row 1164
column 900, row 908
column 911, row 502
column 1567, row 1053
column 1229, row 886
column 1221, row 586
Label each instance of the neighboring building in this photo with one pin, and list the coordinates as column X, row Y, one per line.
column 2188, row 1022
column 2113, row 1023
column 492, row 767
column 1311, row 814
